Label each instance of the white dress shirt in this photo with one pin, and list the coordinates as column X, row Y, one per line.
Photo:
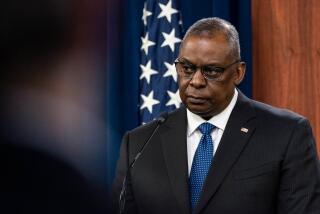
column 194, row 135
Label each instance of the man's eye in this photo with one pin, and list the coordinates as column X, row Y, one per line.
column 188, row 68
column 212, row 70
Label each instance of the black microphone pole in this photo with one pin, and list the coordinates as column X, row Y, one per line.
column 122, row 198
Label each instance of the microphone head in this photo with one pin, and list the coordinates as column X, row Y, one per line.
column 162, row 118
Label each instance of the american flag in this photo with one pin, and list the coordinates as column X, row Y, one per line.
column 161, row 36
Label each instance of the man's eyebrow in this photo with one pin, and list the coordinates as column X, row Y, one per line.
column 212, row 65
column 184, row 60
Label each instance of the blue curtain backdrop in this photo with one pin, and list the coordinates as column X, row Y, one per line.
column 124, row 28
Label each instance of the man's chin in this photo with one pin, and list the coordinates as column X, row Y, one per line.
column 204, row 113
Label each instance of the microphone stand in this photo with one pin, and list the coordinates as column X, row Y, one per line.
column 122, row 197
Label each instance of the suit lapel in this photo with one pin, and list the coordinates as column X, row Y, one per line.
column 173, row 138
column 240, row 127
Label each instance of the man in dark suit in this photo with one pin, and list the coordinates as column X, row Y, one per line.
column 221, row 152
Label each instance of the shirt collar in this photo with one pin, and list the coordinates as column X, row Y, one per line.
column 220, row 120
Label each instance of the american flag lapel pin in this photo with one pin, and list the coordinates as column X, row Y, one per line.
column 245, row 130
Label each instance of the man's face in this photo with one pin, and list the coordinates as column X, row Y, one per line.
column 201, row 96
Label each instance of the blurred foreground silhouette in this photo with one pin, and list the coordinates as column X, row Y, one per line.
column 53, row 149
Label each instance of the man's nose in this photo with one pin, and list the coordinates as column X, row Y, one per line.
column 198, row 79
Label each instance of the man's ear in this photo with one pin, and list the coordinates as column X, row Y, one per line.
column 240, row 72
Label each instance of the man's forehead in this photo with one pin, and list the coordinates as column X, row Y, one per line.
column 217, row 39
column 204, row 43
column 207, row 49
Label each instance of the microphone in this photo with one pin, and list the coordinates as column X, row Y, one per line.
column 122, row 198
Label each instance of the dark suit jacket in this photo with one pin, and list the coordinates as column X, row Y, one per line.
column 271, row 168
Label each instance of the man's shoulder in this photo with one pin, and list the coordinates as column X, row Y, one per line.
column 276, row 120
column 276, row 114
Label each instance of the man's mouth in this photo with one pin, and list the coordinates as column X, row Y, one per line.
column 196, row 100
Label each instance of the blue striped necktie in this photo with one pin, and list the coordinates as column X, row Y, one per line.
column 201, row 163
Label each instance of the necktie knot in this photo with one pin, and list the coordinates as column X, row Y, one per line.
column 206, row 128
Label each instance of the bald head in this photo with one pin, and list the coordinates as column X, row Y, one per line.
column 213, row 27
